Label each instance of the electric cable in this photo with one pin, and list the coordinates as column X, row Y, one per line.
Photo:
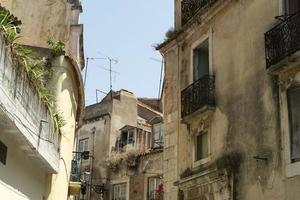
column 31, row 132
column 65, row 168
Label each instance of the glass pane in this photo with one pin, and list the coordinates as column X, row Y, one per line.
column 119, row 192
column 131, row 137
column 294, row 119
column 201, row 60
column 86, row 145
column 201, row 146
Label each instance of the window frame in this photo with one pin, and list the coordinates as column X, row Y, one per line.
column 119, row 185
column 83, row 140
column 202, row 161
column 207, row 36
column 148, row 181
column 290, row 119
column 291, row 168
column 160, row 135
column 117, row 182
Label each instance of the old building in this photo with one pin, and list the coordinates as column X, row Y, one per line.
column 231, row 100
column 123, row 136
column 41, row 96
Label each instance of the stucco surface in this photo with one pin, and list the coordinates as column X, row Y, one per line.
column 246, row 119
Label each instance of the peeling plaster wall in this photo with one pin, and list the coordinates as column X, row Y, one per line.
column 119, row 112
column 149, row 166
column 41, row 19
column 101, row 146
column 246, row 120
column 49, row 18
column 172, row 124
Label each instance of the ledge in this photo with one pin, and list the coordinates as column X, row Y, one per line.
column 28, row 117
column 205, row 110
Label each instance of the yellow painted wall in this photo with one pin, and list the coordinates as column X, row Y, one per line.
column 65, row 87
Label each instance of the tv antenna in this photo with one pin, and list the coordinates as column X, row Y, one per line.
column 87, row 65
column 111, row 61
column 99, row 91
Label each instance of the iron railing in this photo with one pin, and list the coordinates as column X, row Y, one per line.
column 197, row 95
column 283, row 40
column 189, row 8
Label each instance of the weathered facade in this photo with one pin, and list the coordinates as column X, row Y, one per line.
column 119, row 124
column 231, row 100
column 36, row 158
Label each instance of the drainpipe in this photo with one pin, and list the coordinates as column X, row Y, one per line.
column 92, row 162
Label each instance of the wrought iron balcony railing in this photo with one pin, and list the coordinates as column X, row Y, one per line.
column 283, row 40
column 197, row 95
column 189, row 8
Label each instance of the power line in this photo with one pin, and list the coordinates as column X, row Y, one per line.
column 160, row 80
column 111, row 61
column 31, row 132
column 161, row 74
column 97, row 90
column 106, row 69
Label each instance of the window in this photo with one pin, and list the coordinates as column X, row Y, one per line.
column 83, row 145
column 3, row 153
column 119, row 191
column 154, row 188
column 127, row 137
column 292, row 6
column 131, row 137
column 201, row 146
column 158, row 135
column 201, row 61
column 293, row 95
column 149, row 140
column 139, row 139
column 124, row 137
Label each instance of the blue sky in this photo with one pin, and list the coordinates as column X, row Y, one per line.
column 125, row 30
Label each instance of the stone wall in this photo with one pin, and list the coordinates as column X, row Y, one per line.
column 246, row 118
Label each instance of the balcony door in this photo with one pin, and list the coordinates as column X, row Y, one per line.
column 201, row 61
column 292, row 6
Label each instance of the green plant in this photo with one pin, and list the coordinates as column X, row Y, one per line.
column 113, row 162
column 58, row 120
column 37, row 69
column 9, row 25
column 57, row 48
column 131, row 158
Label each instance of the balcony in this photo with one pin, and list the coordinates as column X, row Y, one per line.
column 198, row 96
column 283, row 40
column 190, row 8
column 23, row 117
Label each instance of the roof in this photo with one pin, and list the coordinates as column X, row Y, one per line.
column 97, row 110
column 154, row 103
column 127, row 128
column 147, row 112
column 157, row 119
